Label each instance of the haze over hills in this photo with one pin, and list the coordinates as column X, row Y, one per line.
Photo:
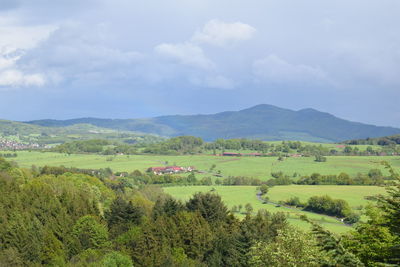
column 265, row 122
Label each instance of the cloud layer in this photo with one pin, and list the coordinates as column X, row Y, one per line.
column 58, row 59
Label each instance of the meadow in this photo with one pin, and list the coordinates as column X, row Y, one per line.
column 257, row 167
column 241, row 195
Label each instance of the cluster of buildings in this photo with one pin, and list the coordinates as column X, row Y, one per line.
column 170, row 169
column 13, row 145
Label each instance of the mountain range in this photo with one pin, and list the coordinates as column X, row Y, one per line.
column 264, row 122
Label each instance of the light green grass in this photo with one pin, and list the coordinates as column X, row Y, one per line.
column 236, row 195
column 354, row 195
column 259, row 167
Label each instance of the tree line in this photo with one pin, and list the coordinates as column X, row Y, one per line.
column 183, row 145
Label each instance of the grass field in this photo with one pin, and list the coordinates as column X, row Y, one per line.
column 354, row 195
column 236, row 195
column 259, row 167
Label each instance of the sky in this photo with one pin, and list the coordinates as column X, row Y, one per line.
column 64, row 59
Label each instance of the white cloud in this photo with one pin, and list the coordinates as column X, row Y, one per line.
column 220, row 33
column 10, row 73
column 23, row 37
column 16, row 78
column 76, row 52
column 15, row 42
column 185, row 53
column 275, row 69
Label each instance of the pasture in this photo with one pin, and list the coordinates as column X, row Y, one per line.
column 241, row 195
column 258, row 167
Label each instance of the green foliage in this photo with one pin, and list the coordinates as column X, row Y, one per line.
column 122, row 216
column 327, row 205
column 290, row 247
column 89, row 233
column 210, row 206
column 380, row 141
column 116, row 259
column 168, row 206
column 337, row 254
column 249, row 208
column 176, row 145
column 264, row 189
column 4, row 165
column 294, row 201
column 320, row 158
column 371, row 241
column 377, row 242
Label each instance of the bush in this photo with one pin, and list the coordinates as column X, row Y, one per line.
column 327, row 205
column 320, row 158
column 352, row 218
column 294, row 201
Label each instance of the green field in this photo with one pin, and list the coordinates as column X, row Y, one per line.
column 354, row 195
column 236, row 195
column 259, row 167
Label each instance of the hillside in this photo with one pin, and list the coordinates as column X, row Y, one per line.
column 30, row 133
column 264, row 122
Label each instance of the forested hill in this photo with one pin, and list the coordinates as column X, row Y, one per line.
column 265, row 122
column 23, row 133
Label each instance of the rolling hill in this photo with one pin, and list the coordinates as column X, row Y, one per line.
column 265, row 122
column 31, row 133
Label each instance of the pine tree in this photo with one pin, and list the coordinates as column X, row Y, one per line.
column 336, row 252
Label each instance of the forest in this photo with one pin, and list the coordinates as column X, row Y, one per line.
column 72, row 218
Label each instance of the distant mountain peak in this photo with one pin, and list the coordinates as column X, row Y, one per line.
column 263, row 107
column 304, row 110
column 265, row 122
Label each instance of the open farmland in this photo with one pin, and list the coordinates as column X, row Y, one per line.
column 241, row 195
column 354, row 195
column 258, row 167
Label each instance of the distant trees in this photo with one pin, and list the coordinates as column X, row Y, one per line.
column 183, row 145
column 320, row 158
column 176, row 145
column 249, row 208
column 294, row 201
column 381, row 141
column 264, row 189
column 374, row 177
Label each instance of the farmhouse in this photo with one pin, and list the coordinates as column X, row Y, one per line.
column 170, row 169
